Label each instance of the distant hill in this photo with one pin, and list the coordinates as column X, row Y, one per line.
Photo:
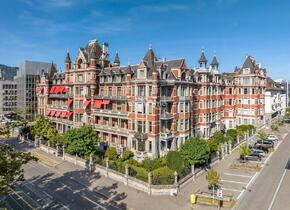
column 9, row 72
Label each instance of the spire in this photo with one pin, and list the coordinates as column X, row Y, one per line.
column 202, row 60
column 117, row 59
column 214, row 62
column 52, row 70
column 67, row 59
column 249, row 63
column 150, row 58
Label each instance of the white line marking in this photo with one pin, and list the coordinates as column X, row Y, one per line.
column 234, row 182
column 229, row 174
column 277, row 190
column 229, row 189
column 240, row 194
column 253, row 178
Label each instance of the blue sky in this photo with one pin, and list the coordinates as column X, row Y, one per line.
column 46, row 29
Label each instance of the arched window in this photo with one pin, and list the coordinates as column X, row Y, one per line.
column 80, row 61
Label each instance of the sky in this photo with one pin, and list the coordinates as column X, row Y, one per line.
column 45, row 30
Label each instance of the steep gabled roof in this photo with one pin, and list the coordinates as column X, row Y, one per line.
column 249, row 63
column 150, row 58
column 202, row 58
column 214, row 61
column 67, row 59
column 117, row 59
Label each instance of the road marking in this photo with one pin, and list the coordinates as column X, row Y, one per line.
column 230, row 174
column 230, row 181
column 277, row 190
column 229, row 189
column 85, row 197
column 240, row 194
column 14, row 192
column 253, row 178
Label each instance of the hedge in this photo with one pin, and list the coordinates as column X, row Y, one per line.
column 138, row 172
column 163, row 176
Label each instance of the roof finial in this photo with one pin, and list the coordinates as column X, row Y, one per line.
column 150, row 46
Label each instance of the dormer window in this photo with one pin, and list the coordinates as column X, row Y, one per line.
column 141, row 73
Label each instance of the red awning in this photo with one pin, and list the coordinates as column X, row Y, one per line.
column 98, row 104
column 106, row 101
column 87, row 102
column 57, row 113
column 52, row 113
column 52, row 89
column 69, row 101
column 61, row 89
column 63, row 114
column 47, row 112
column 69, row 114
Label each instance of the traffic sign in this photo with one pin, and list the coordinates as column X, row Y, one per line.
column 219, row 193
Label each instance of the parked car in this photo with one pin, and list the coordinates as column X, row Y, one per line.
column 262, row 147
column 265, row 142
column 287, row 120
column 258, row 151
column 272, row 137
column 251, row 157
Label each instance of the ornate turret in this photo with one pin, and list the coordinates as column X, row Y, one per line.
column 67, row 61
column 116, row 60
column 202, row 60
column 150, row 58
column 214, row 63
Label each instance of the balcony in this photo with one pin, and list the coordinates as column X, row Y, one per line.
column 60, row 96
column 58, row 107
column 116, row 98
column 140, row 136
column 110, row 113
column 166, row 98
column 166, row 116
column 165, row 135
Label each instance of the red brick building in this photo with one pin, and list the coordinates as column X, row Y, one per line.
column 149, row 108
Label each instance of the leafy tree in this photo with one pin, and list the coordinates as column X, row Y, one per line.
column 262, row 135
column 127, row 155
column 213, row 179
column 152, row 164
column 219, row 136
column 4, row 131
column 195, row 151
column 162, row 176
column 43, row 128
column 244, row 150
column 56, row 139
column 232, row 133
column 11, row 171
column 81, row 141
column 213, row 145
column 174, row 161
column 111, row 153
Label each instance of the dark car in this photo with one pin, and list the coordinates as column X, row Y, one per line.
column 216, row 187
column 251, row 157
column 287, row 120
column 261, row 147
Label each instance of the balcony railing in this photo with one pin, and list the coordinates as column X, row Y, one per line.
column 165, row 135
column 166, row 98
column 110, row 112
column 58, row 107
column 166, row 116
column 141, row 136
column 61, row 96
column 121, row 98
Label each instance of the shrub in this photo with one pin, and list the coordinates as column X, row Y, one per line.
column 138, row 173
column 174, row 161
column 274, row 127
column 151, row 164
column 111, row 153
column 163, row 176
column 127, row 155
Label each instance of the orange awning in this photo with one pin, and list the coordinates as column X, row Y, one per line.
column 87, row 102
column 106, row 101
column 98, row 104
column 69, row 114
column 69, row 101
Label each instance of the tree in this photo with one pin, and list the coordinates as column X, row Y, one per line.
column 11, row 171
column 174, row 161
column 111, row 153
column 244, row 150
column 4, row 131
column 213, row 179
column 43, row 128
column 81, row 141
column 56, row 139
column 232, row 133
column 195, row 151
column 213, row 145
column 262, row 135
column 274, row 127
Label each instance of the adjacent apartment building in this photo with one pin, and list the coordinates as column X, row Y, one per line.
column 151, row 107
column 26, row 78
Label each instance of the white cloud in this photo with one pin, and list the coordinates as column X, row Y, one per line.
column 161, row 8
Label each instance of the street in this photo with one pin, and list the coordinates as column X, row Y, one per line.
column 262, row 193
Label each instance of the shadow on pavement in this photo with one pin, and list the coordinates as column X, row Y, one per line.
column 71, row 189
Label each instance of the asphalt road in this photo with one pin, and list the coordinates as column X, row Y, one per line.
column 48, row 188
column 268, row 192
